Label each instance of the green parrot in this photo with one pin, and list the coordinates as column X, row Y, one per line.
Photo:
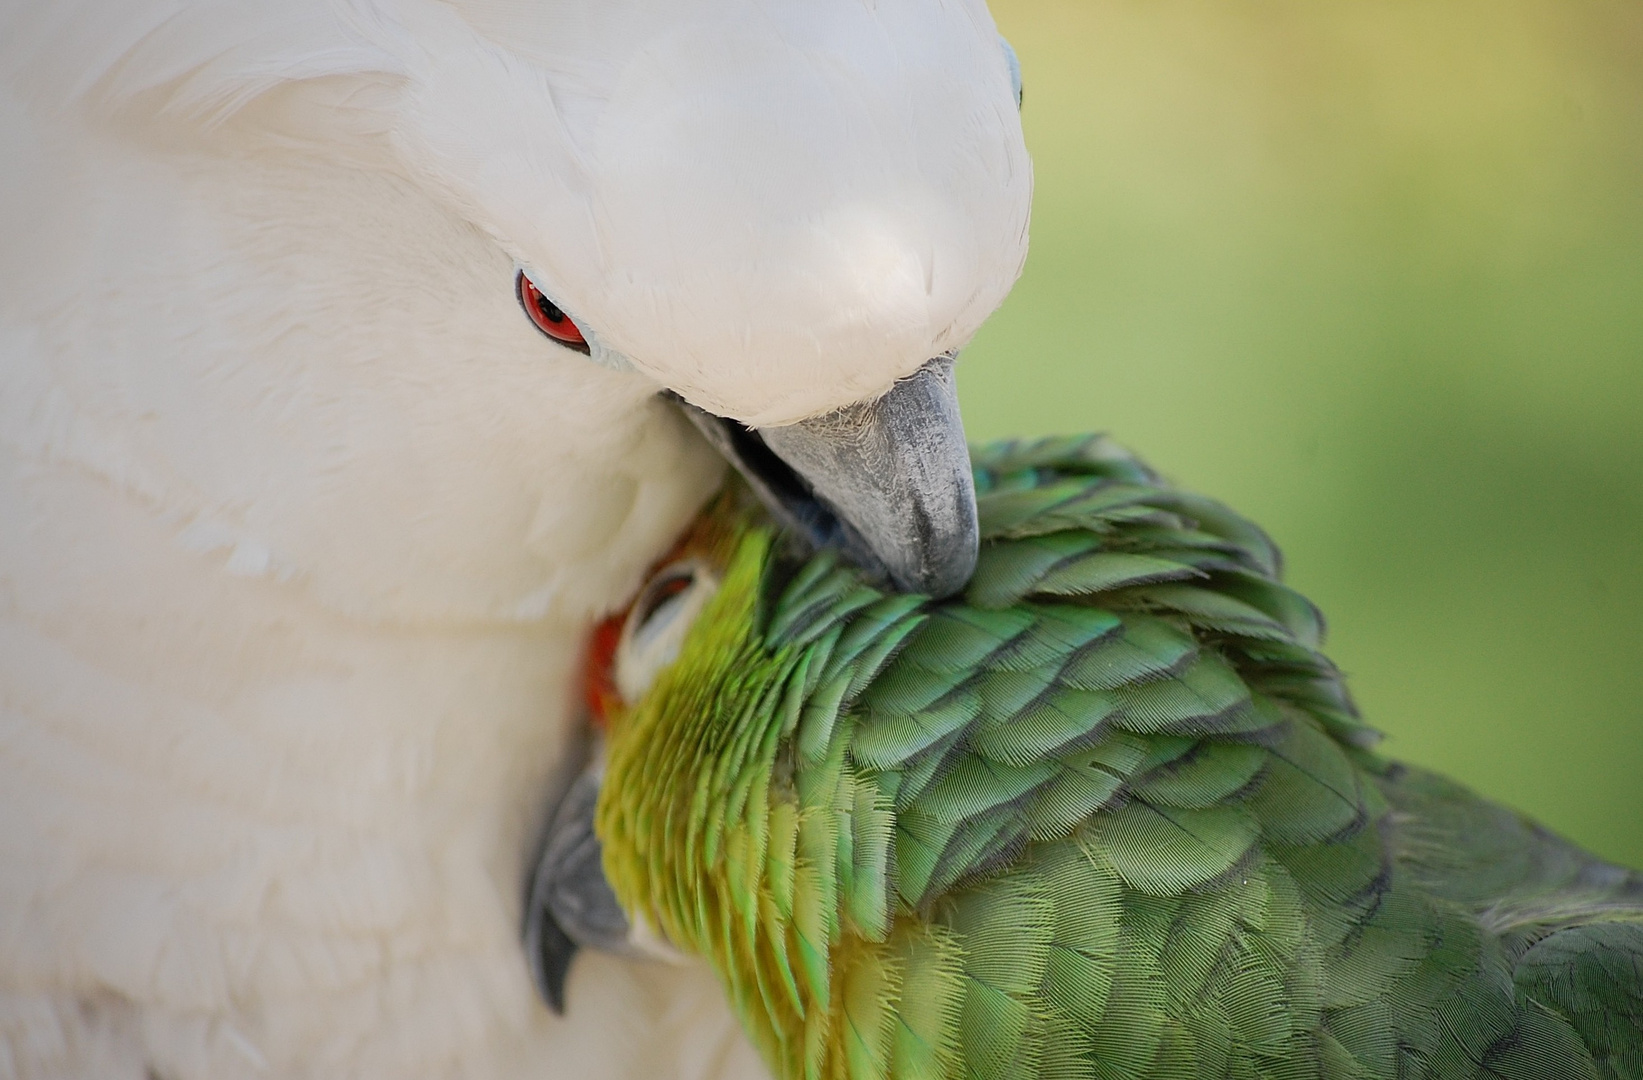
column 1109, row 813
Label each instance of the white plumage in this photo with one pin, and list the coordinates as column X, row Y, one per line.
column 301, row 522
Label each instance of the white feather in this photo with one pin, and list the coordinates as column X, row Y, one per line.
column 301, row 522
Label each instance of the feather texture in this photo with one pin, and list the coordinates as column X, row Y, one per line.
column 1109, row 815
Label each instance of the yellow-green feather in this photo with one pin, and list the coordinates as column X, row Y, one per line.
column 1111, row 814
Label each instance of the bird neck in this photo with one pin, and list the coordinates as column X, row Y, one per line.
column 694, row 813
column 679, row 791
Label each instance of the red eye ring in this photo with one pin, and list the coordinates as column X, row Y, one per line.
column 545, row 315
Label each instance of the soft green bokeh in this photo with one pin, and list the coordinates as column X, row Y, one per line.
column 1372, row 272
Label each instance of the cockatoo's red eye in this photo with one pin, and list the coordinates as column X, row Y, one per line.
column 547, row 317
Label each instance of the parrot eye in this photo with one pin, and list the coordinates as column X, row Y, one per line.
column 656, row 627
column 546, row 316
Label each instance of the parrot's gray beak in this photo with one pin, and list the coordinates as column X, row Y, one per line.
column 888, row 480
column 571, row 904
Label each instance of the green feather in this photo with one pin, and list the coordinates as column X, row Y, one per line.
column 1207, row 696
column 1209, row 773
column 1148, row 649
column 1164, row 850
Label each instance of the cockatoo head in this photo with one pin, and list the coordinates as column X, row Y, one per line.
column 789, row 213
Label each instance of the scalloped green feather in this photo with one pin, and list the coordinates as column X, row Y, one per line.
column 1206, row 775
column 1165, row 850
column 1148, row 648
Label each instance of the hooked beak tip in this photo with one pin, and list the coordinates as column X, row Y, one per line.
column 550, row 951
column 888, row 481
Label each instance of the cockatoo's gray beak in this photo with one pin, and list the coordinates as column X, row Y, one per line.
column 887, row 480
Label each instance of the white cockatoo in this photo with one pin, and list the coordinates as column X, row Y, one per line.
column 302, row 521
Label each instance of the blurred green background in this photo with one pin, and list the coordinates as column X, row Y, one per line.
column 1372, row 272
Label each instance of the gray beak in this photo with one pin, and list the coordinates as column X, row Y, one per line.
column 571, row 905
column 888, row 481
